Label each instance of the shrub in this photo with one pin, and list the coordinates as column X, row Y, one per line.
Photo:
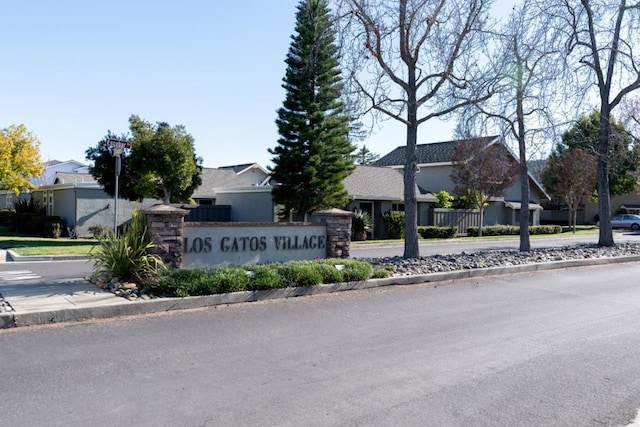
column 434, row 232
column 228, row 279
column 360, row 225
column 445, row 200
column 128, row 256
column 329, row 272
column 6, row 217
column 31, row 206
column 357, row 271
column 52, row 226
column 545, row 229
column 99, row 231
column 180, row 283
column 56, row 230
column 217, row 280
column 394, row 222
column 513, row 230
column 380, row 273
column 263, row 277
column 299, row 273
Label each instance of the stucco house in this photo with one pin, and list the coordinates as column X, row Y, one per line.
column 231, row 186
column 377, row 189
column 434, row 174
column 81, row 202
column 47, row 177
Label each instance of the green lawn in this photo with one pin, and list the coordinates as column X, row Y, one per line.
column 27, row 245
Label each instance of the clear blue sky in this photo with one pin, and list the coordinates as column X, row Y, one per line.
column 74, row 69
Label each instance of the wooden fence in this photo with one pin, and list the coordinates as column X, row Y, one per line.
column 460, row 218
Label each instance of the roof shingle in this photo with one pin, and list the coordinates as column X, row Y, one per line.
column 437, row 152
column 380, row 183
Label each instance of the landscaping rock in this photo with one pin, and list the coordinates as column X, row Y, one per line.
column 398, row 266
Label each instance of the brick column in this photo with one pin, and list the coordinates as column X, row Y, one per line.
column 165, row 224
column 338, row 223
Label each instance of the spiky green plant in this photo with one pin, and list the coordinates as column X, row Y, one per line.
column 128, row 256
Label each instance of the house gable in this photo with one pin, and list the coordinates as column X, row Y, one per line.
column 380, row 183
column 252, row 173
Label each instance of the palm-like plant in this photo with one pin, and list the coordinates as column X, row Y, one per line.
column 361, row 224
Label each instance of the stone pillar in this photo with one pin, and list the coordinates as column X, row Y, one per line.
column 338, row 223
column 166, row 224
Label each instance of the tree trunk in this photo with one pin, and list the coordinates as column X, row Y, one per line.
column 604, row 203
column 411, row 248
column 525, row 244
column 481, row 219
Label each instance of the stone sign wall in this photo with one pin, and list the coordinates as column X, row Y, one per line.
column 201, row 244
column 241, row 243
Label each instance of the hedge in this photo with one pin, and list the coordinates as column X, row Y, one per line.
column 434, row 232
column 513, row 230
column 182, row 283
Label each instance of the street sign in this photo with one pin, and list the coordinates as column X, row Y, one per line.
column 119, row 143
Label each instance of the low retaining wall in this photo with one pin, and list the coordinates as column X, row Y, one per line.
column 201, row 244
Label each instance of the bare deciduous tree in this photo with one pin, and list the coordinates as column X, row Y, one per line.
column 414, row 61
column 473, row 176
column 570, row 175
column 528, row 61
column 604, row 36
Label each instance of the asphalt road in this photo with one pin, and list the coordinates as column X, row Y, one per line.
column 557, row 348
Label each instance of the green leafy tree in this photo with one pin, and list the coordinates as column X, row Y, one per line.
column 364, row 156
column 19, row 159
column 162, row 163
column 624, row 155
column 313, row 155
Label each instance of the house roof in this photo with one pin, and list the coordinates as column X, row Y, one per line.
column 380, row 183
column 213, row 179
column 436, row 152
column 73, row 178
column 239, row 168
column 442, row 152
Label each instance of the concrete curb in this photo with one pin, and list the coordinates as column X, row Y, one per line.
column 14, row 257
column 130, row 308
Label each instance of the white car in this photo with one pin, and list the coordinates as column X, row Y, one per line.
column 626, row 221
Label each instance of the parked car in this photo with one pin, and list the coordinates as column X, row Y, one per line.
column 626, row 221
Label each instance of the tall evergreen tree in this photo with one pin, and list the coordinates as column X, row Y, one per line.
column 313, row 155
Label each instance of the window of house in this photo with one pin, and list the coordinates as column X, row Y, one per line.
column 49, row 202
column 397, row 207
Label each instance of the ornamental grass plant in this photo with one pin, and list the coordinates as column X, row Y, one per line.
column 128, row 256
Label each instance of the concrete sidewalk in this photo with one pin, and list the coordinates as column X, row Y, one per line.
column 34, row 302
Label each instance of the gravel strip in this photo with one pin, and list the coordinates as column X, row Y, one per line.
column 398, row 266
